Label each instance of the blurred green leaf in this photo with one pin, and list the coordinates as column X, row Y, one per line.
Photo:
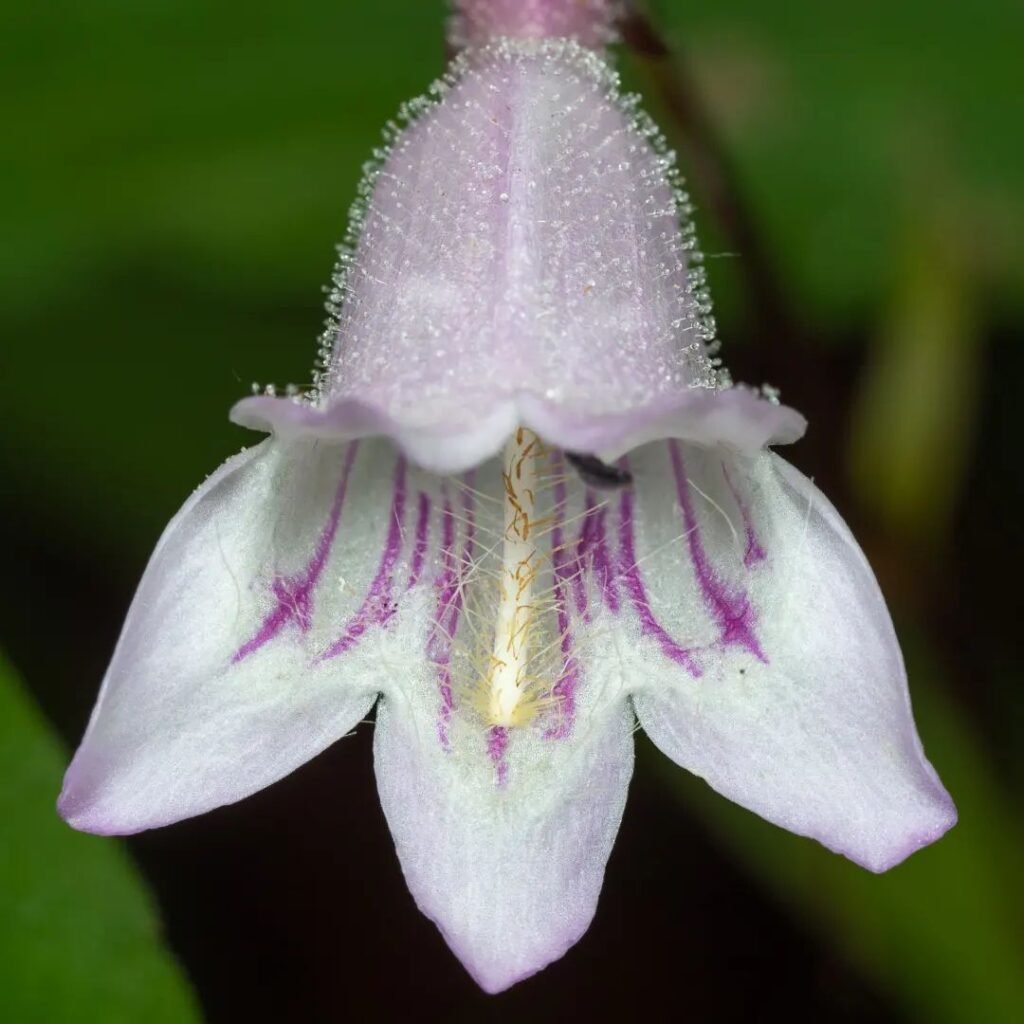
column 913, row 419
column 176, row 177
column 842, row 116
column 79, row 938
column 942, row 930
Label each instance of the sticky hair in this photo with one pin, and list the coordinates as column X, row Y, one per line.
column 485, row 583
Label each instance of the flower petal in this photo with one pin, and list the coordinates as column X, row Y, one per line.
column 520, row 261
column 737, row 416
column 768, row 663
column 503, row 833
column 439, row 447
column 255, row 639
column 504, row 847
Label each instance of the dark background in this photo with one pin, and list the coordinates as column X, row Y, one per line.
column 175, row 174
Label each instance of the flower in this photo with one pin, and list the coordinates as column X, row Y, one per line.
column 521, row 508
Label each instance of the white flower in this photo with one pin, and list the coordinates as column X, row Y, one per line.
column 423, row 533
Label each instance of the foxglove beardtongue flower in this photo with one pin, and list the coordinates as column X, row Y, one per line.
column 518, row 301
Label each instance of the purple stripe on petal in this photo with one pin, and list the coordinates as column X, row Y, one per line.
column 439, row 642
column 422, row 536
column 754, row 553
column 378, row 606
column 564, row 572
column 637, row 592
column 733, row 612
column 596, row 542
column 449, row 600
column 579, row 562
column 590, row 557
column 571, row 569
column 294, row 596
column 497, row 745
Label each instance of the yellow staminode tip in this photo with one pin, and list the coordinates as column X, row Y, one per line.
column 510, row 701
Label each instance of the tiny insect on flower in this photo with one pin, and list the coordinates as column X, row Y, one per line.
column 522, row 508
column 596, row 473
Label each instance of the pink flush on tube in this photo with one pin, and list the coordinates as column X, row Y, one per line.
column 589, row 22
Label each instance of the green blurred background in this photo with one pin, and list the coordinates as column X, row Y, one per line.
column 175, row 174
